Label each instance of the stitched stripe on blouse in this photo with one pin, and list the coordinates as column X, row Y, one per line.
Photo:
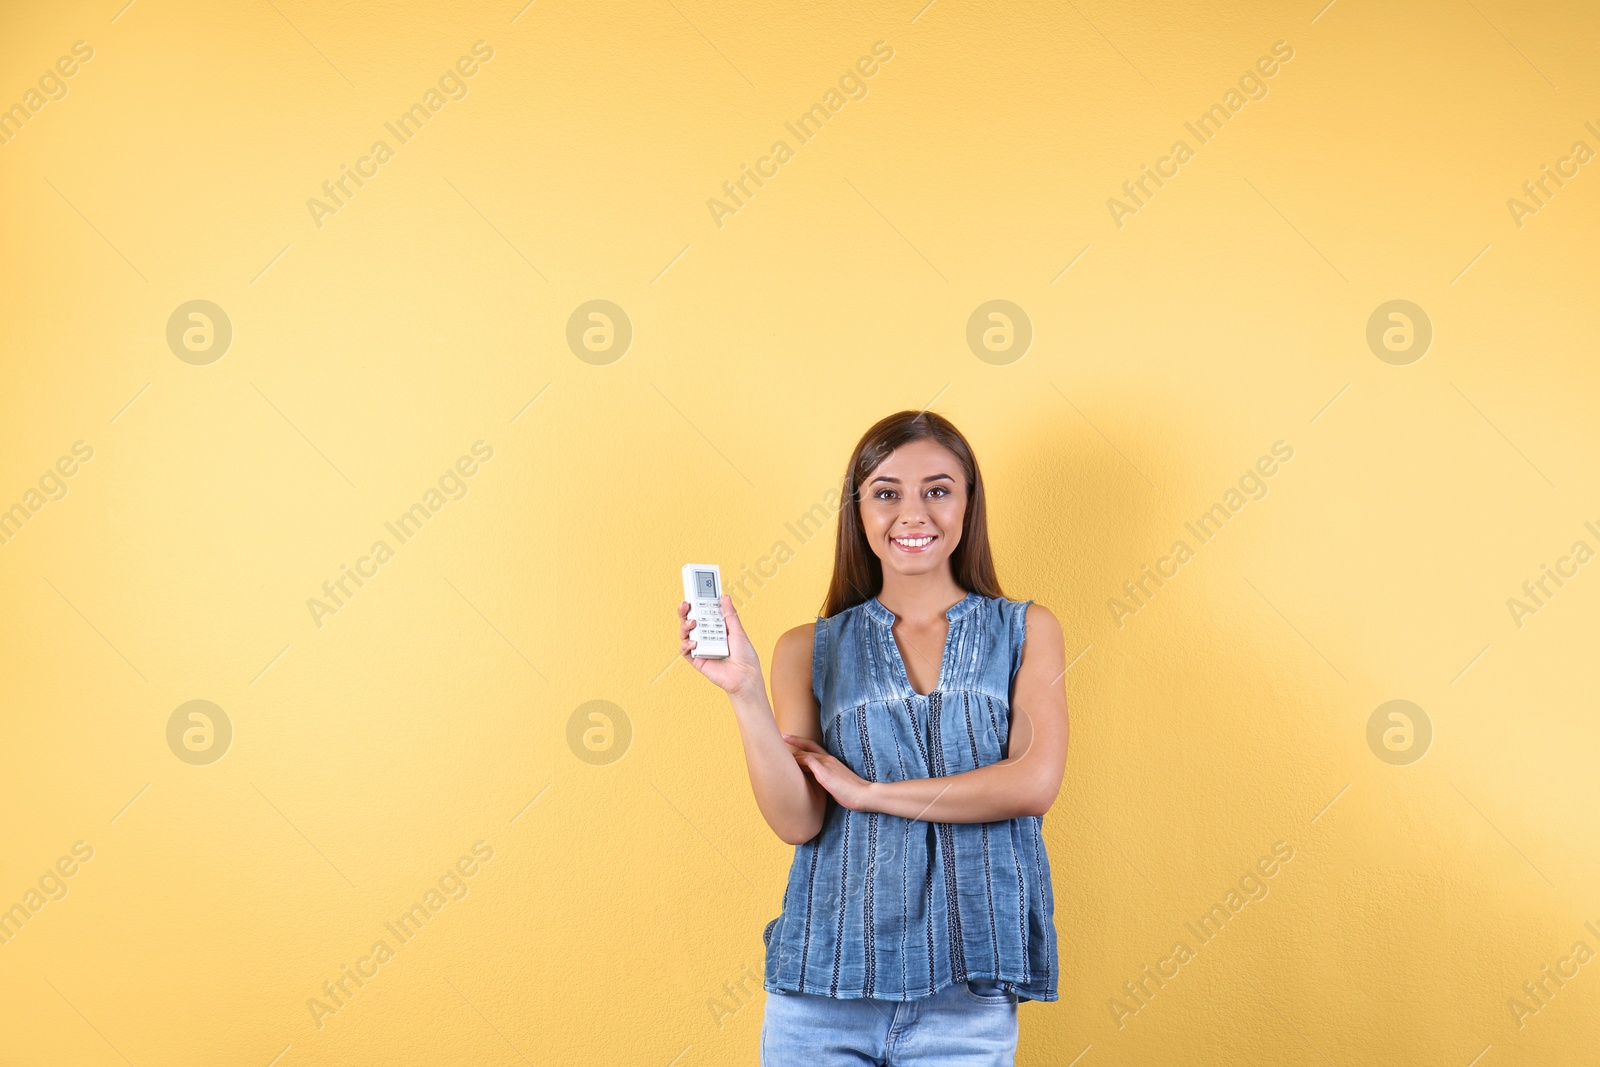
column 988, row 864
column 869, row 935
column 905, row 861
column 811, row 885
column 916, row 732
column 947, row 845
column 1022, row 902
column 844, row 875
column 1038, row 828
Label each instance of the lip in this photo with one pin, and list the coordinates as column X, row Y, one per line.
column 914, row 551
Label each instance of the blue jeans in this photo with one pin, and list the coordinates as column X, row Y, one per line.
column 968, row 1024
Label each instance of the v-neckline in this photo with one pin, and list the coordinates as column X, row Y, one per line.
column 952, row 619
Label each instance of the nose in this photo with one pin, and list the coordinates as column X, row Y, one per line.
column 913, row 515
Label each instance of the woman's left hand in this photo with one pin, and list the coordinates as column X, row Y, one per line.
column 843, row 784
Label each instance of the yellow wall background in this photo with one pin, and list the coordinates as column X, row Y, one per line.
column 618, row 916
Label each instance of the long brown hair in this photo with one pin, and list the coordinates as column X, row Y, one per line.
column 857, row 571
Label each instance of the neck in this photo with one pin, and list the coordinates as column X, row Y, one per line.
column 920, row 599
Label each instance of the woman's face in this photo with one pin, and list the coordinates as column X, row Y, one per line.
column 913, row 506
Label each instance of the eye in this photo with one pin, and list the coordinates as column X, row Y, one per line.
column 941, row 490
column 879, row 494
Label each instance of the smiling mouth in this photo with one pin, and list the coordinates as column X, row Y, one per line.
column 913, row 544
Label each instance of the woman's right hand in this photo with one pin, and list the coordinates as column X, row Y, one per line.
column 741, row 671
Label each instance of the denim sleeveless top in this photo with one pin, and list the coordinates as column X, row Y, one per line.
column 892, row 908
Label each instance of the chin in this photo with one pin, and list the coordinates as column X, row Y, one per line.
column 919, row 565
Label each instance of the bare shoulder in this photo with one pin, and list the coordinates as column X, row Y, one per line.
column 793, row 702
column 791, row 657
column 796, row 641
column 1042, row 631
column 1039, row 615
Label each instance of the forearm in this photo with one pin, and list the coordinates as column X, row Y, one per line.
column 1003, row 790
column 788, row 801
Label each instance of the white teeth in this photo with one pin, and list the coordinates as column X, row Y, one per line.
column 913, row 542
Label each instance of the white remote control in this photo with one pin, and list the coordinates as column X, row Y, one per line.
column 702, row 588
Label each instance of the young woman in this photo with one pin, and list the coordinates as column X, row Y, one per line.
column 916, row 737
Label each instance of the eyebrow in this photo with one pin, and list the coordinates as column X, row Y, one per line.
column 896, row 481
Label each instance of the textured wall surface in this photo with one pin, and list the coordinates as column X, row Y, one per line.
column 309, row 415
